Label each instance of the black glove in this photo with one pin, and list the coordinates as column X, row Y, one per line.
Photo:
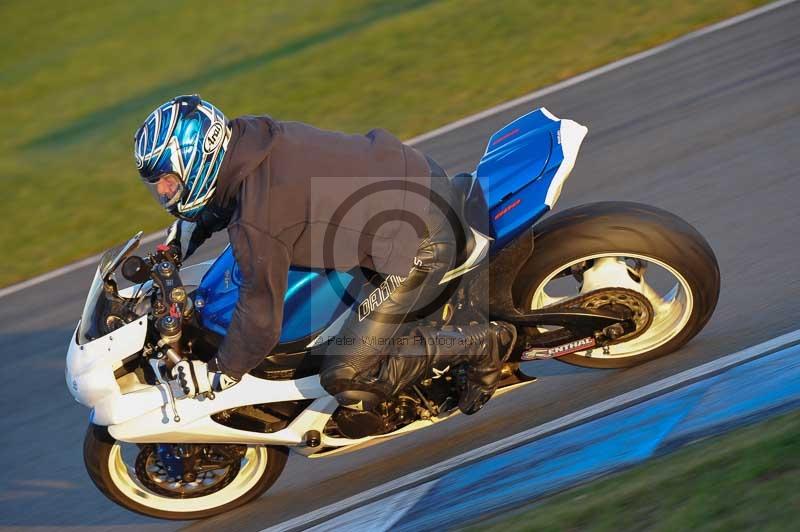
column 194, row 378
column 179, row 238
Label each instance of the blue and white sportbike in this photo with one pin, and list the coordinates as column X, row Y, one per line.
column 602, row 285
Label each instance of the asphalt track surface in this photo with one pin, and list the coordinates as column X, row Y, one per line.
column 708, row 130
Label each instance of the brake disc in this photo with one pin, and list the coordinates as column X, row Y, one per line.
column 154, row 475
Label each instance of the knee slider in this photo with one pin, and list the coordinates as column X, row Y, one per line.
column 337, row 378
column 365, row 400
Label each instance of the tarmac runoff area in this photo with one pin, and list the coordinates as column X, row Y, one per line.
column 741, row 388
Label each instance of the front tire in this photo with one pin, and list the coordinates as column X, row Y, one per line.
column 618, row 237
column 117, row 480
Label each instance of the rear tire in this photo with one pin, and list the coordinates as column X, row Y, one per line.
column 100, row 450
column 622, row 229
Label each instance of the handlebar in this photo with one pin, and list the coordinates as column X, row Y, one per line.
column 172, row 304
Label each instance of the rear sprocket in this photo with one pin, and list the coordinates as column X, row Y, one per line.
column 628, row 303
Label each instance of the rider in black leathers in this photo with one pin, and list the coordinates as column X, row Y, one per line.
column 265, row 195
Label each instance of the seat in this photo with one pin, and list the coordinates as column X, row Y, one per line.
column 462, row 184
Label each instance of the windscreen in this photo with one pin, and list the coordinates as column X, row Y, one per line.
column 93, row 309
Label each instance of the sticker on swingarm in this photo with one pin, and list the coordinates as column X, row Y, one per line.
column 560, row 350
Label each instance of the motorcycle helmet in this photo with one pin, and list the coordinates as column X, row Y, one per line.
column 179, row 150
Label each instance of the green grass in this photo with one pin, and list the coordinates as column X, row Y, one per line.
column 77, row 78
column 748, row 479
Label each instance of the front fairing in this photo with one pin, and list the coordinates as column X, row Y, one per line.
column 99, row 349
column 91, row 366
column 110, row 331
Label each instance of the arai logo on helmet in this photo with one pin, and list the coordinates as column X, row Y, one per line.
column 214, row 137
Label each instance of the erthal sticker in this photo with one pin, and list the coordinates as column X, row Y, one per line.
column 214, row 137
column 561, row 350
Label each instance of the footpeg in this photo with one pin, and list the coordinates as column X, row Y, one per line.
column 312, row 438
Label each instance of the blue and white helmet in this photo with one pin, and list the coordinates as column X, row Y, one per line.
column 179, row 150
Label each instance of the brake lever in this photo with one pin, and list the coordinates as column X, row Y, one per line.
column 155, row 364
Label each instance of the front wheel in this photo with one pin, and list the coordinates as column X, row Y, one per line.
column 620, row 254
column 154, row 480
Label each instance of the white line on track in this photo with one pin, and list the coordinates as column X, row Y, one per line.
column 600, row 409
column 473, row 118
column 550, row 89
column 88, row 261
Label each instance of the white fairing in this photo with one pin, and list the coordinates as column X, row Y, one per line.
column 90, row 367
column 570, row 135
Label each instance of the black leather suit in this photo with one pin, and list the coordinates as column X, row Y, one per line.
column 386, row 352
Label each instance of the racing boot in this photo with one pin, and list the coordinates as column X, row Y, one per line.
column 481, row 348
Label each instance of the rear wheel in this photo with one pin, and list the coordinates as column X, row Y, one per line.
column 619, row 254
column 137, row 478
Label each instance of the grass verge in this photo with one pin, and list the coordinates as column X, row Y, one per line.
column 77, row 78
column 748, row 479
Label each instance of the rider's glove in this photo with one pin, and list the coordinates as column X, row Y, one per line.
column 179, row 238
column 185, row 237
column 194, row 378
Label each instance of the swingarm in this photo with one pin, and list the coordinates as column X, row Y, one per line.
column 544, row 334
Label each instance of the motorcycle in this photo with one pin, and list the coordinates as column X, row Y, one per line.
column 601, row 285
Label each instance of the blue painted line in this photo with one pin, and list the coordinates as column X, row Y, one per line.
column 746, row 393
column 766, row 385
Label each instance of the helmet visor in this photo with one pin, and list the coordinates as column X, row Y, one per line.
column 167, row 190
